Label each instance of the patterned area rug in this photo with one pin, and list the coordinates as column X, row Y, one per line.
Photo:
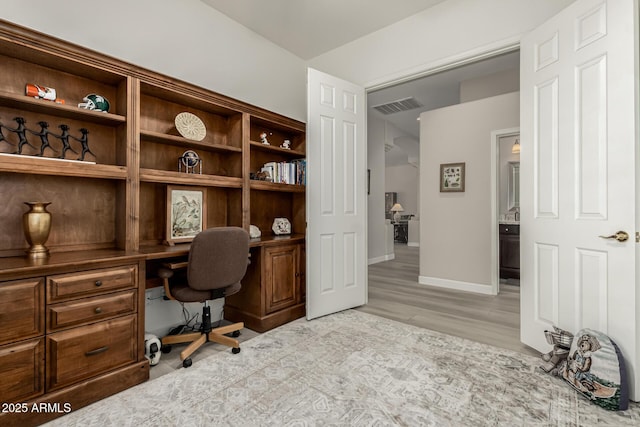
column 352, row 369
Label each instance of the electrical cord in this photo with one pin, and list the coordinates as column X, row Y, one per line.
column 191, row 323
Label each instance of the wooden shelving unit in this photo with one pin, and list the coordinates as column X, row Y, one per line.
column 109, row 213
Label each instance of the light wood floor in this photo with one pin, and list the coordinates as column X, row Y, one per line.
column 394, row 293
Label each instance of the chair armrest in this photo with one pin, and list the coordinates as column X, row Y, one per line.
column 165, row 273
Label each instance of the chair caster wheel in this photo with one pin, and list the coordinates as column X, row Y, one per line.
column 235, row 350
column 187, row 362
column 235, row 334
column 166, row 348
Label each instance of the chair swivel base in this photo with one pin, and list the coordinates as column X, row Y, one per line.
column 197, row 339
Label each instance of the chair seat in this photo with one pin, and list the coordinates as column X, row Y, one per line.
column 182, row 292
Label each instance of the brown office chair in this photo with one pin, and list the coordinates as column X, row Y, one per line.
column 217, row 262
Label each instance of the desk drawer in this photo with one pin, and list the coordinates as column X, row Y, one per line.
column 510, row 229
column 65, row 286
column 87, row 310
column 81, row 353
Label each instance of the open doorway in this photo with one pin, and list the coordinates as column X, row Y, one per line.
column 505, row 198
column 394, row 279
column 394, row 141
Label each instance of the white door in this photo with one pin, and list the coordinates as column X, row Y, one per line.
column 336, row 195
column 578, row 162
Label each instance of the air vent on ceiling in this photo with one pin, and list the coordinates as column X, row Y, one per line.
column 404, row 104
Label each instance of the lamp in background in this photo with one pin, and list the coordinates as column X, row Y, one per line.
column 396, row 209
column 516, row 147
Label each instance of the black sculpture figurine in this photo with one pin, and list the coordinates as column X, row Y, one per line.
column 64, row 137
column 44, row 137
column 84, row 141
column 2, row 138
column 21, row 132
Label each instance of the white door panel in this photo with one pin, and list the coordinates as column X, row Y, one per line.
column 578, row 161
column 336, row 195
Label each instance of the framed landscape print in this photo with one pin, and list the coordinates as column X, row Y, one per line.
column 452, row 177
column 186, row 213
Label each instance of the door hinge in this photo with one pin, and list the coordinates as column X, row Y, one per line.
column 637, row 236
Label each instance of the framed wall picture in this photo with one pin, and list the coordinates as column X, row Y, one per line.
column 186, row 213
column 452, row 177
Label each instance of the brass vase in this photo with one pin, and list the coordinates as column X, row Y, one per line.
column 37, row 225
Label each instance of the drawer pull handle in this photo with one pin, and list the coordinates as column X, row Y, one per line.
column 98, row 310
column 97, row 351
column 98, row 282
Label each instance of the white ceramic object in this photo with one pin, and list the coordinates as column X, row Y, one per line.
column 190, row 126
column 281, row 226
column 254, row 231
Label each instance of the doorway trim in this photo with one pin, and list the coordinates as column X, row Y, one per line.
column 496, row 135
column 445, row 64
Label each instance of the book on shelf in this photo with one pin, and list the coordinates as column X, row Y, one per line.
column 293, row 172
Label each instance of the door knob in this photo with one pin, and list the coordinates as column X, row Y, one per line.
column 620, row 236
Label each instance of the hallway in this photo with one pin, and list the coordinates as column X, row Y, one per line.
column 394, row 293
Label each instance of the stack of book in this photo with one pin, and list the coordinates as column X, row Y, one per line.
column 294, row 172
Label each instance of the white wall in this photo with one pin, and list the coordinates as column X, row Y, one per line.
column 494, row 84
column 185, row 39
column 404, row 181
column 455, row 228
column 376, row 235
column 449, row 31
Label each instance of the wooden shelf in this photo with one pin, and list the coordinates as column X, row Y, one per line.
column 23, row 102
column 273, row 186
column 161, row 251
column 63, row 260
column 272, row 240
column 170, row 177
column 179, row 141
column 50, row 166
column 275, row 149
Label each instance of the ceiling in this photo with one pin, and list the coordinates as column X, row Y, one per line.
column 308, row 28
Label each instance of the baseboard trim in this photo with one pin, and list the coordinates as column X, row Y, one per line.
column 413, row 244
column 455, row 284
column 383, row 258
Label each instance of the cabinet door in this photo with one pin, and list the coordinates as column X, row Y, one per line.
column 21, row 309
column 509, row 256
column 22, row 371
column 281, row 277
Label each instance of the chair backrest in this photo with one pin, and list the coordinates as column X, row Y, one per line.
column 218, row 258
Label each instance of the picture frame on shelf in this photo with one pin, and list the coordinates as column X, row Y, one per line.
column 452, row 177
column 186, row 213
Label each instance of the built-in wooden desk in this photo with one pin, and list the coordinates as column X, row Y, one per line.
column 273, row 290
column 55, row 312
